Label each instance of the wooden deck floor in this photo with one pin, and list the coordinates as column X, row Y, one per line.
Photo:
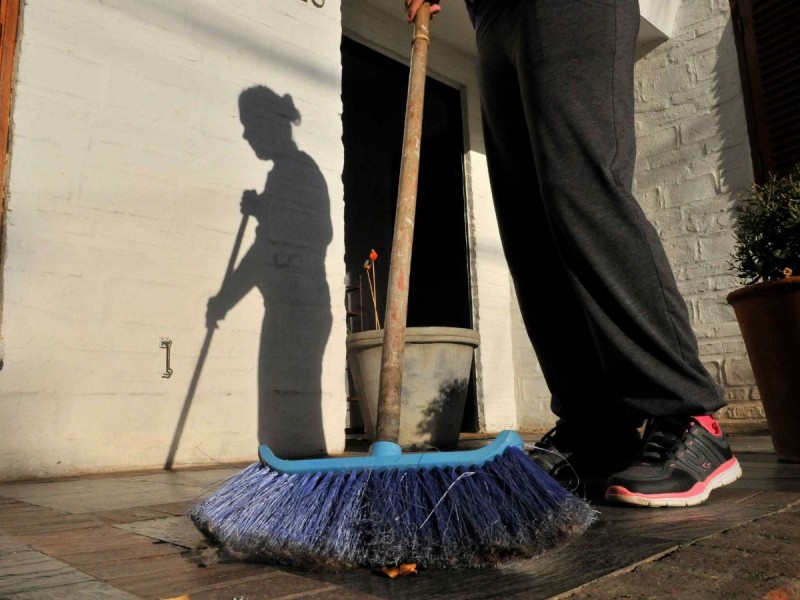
column 128, row 536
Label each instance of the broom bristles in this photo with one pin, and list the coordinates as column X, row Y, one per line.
column 437, row 518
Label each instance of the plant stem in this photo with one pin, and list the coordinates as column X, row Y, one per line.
column 374, row 291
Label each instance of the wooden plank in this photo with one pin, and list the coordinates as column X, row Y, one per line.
column 775, row 499
column 333, row 593
column 746, row 458
column 174, row 508
column 30, row 575
column 105, row 538
column 779, row 467
column 729, row 494
column 596, row 552
column 9, row 545
column 142, row 550
column 731, row 565
column 686, row 524
column 274, row 585
column 766, row 473
column 768, row 484
column 176, row 582
column 129, row 515
column 209, row 479
column 28, row 570
column 175, row 530
column 136, row 566
column 93, row 590
column 22, row 518
column 12, row 509
column 49, row 524
column 95, row 495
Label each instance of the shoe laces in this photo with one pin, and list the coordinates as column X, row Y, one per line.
column 662, row 438
column 548, row 440
column 550, row 456
column 554, row 460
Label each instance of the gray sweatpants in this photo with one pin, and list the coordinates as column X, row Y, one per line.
column 598, row 297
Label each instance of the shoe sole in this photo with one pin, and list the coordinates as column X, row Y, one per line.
column 727, row 473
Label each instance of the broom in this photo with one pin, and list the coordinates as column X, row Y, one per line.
column 439, row 509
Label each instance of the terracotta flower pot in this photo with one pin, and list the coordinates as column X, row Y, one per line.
column 769, row 318
column 436, row 368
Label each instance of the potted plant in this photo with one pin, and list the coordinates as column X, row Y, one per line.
column 436, row 368
column 767, row 258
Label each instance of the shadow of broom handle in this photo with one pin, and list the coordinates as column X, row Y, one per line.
column 201, row 358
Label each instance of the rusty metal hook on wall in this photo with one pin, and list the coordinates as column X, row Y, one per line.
column 167, row 343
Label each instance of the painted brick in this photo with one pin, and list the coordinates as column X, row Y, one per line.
column 724, row 283
column 681, row 250
column 710, row 347
column 716, row 23
column 663, row 175
column 737, row 396
column 665, row 80
column 669, row 222
column 124, row 190
column 743, row 411
column 651, row 200
column 734, row 347
column 719, row 245
column 692, row 13
column 702, row 219
column 720, row 330
column 736, row 179
column 690, row 191
column 699, row 128
column 658, row 142
column 713, row 311
column 662, row 111
column 714, row 369
column 738, row 372
column 690, row 49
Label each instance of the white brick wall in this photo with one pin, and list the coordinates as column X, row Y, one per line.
column 127, row 170
column 693, row 158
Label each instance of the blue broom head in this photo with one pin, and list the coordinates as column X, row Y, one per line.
column 441, row 516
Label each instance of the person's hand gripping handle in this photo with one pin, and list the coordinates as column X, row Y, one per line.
column 412, row 6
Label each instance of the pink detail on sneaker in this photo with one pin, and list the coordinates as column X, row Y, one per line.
column 619, row 492
column 710, row 424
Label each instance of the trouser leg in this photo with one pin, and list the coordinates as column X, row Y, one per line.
column 548, row 303
column 596, row 291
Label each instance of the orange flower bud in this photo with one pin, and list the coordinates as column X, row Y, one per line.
column 373, row 256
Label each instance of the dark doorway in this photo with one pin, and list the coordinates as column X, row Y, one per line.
column 374, row 91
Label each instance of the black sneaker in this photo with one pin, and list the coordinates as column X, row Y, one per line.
column 580, row 458
column 682, row 461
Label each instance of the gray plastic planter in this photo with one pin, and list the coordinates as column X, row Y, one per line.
column 436, row 369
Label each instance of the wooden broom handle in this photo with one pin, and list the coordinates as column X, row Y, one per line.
column 391, row 377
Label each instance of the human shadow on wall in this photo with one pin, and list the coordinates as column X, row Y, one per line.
column 287, row 264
